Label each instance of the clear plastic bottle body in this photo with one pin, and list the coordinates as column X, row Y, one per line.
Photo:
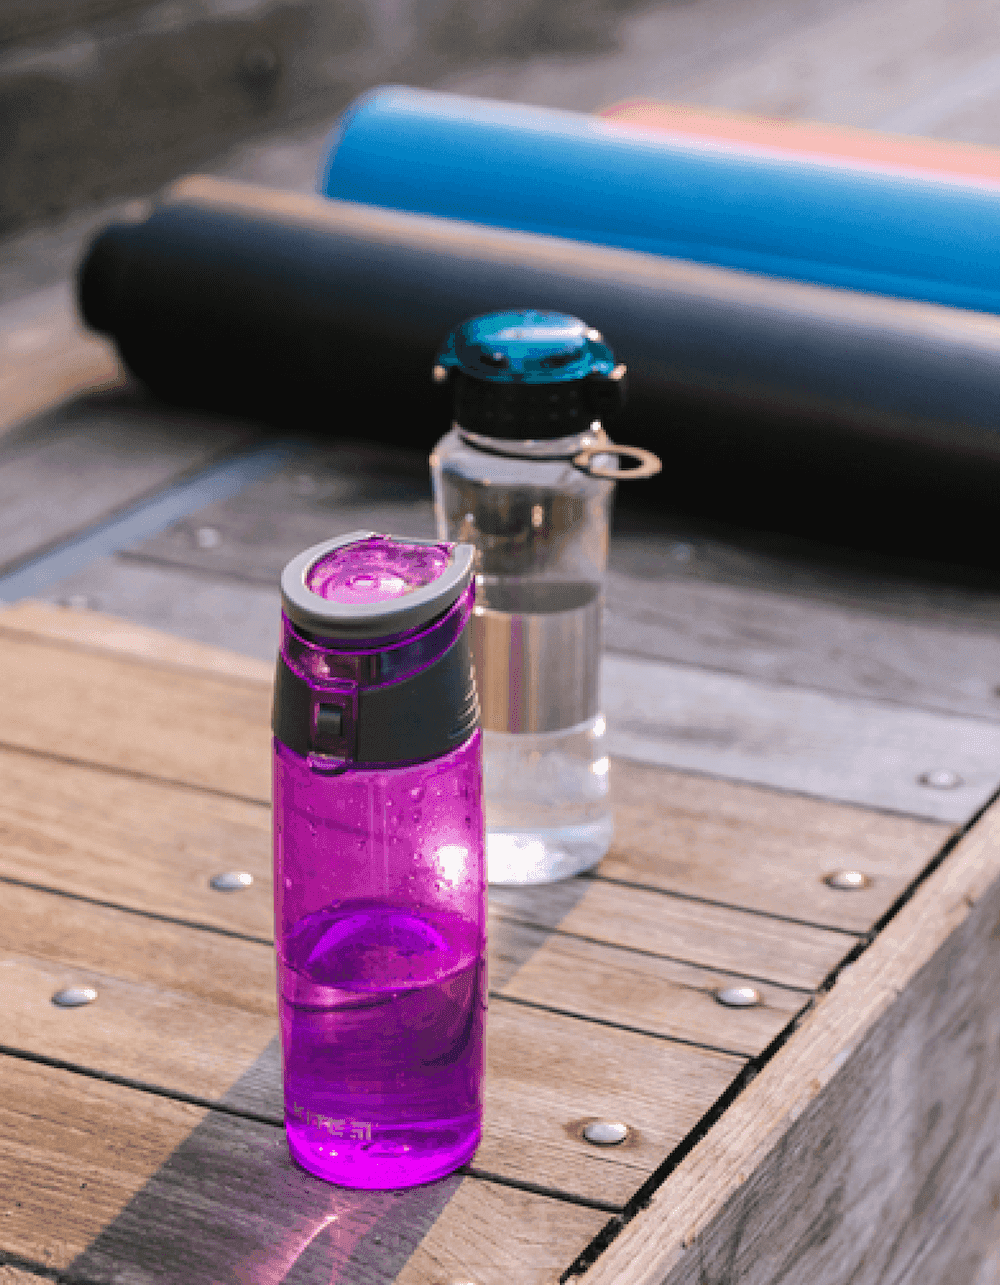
column 540, row 529
column 380, row 925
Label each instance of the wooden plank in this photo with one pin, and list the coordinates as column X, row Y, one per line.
column 762, row 850
column 866, row 1149
column 749, row 945
column 139, row 952
column 96, row 629
column 345, row 487
column 711, row 839
column 865, row 650
column 144, row 845
column 548, row 1075
column 866, row 752
column 46, row 356
column 140, row 844
column 221, row 611
column 625, row 988
column 78, row 465
column 137, row 717
column 189, row 1011
column 148, row 847
column 652, row 556
column 471, row 1240
column 182, row 1194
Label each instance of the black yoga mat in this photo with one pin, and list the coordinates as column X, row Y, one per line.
column 772, row 403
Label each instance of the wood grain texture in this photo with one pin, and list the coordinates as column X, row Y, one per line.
column 159, row 720
column 46, row 357
column 159, row 958
column 174, row 1193
column 871, row 753
column 153, row 848
column 731, row 940
column 547, row 1074
column 135, row 843
column 346, row 487
column 472, row 1239
column 760, row 849
column 717, row 841
column 670, row 999
column 78, row 465
column 756, row 629
column 67, row 1174
column 866, row 1150
column 189, row 1011
column 652, row 554
column 220, row 611
column 34, row 619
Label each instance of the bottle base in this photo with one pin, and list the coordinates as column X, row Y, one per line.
column 389, row 1165
column 545, row 856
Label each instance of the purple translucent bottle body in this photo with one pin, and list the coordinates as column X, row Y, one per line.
column 380, row 879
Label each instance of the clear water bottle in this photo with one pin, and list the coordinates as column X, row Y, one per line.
column 380, row 879
column 526, row 475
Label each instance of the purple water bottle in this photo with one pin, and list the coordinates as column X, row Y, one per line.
column 380, row 877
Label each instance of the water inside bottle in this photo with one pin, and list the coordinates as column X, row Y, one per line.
column 537, row 643
column 545, row 801
column 382, row 1010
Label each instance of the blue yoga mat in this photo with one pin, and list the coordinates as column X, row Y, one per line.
column 912, row 235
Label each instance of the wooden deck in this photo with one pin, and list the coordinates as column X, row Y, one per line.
column 842, row 1130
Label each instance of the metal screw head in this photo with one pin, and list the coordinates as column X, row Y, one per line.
column 847, row 880
column 207, row 537
column 738, row 997
column 231, row 881
column 940, row 779
column 605, row 1133
column 74, row 997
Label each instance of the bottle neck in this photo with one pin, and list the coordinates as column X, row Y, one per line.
column 554, row 448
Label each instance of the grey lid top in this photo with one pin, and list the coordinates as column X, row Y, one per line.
column 330, row 619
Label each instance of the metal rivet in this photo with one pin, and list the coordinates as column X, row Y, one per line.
column 605, row 1133
column 681, row 552
column 439, row 375
column 847, row 880
column 231, row 881
column 738, row 997
column 941, row 779
column 74, row 996
column 206, row 537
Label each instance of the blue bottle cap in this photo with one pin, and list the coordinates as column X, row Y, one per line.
column 530, row 375
column 526, row 347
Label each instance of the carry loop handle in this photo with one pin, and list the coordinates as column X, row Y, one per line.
column 648, row 464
